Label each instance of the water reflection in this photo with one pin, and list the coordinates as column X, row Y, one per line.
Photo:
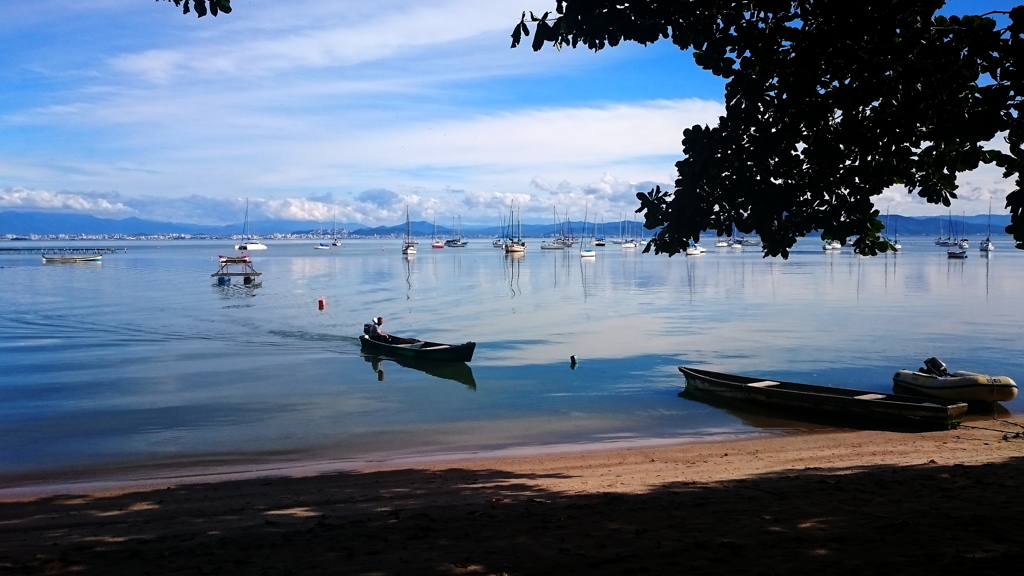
column 237, row 290
column 515, row 268
column 455, row 371
column 409, row 259
column 751, row 414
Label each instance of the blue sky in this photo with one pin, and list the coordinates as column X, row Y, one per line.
column 119, row 108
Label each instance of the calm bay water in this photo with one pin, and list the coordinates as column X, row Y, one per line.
column 143, row 363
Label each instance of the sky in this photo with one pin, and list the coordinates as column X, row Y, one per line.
column 334, row 108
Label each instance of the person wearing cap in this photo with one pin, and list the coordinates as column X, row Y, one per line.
column 377, row 333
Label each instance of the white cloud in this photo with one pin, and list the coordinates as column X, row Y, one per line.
column 18, row 198
column 348, row 34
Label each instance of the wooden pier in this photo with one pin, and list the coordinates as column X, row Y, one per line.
column 60, row 250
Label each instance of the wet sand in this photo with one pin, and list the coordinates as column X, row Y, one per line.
column 838, row 501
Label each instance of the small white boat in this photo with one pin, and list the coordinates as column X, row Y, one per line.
column 552, row 246
column 958, row 254
column 588, row 253
column 934, row 380
column 827, row 246
column 322, row 246
column 986, row 245
column 693, row 250
column 722, row 244
column 498, row 243
column 629, row 244
column 964, row 244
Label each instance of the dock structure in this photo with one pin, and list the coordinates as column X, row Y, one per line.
column 61, row 250
column 230, row 265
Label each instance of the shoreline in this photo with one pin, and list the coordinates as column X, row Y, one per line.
column 132, row 479
column 919, row 502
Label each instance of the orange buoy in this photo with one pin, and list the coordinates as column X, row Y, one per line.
column 321, row 303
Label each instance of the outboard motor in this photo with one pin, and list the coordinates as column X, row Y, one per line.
column 366, row 330
column 935, row 367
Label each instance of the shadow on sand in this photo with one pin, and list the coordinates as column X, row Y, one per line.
column 926, row 519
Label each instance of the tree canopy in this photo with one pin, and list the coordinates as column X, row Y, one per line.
column 827, row 104
column 200, row 6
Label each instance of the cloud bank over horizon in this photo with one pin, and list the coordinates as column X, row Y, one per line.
column 344, row 107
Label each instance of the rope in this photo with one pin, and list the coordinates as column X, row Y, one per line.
column 1006, row 435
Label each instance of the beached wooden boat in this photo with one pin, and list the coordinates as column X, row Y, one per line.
column 421, row 350
column 826, row 401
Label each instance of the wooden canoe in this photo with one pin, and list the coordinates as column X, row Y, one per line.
column 70, row 258
column 823, row 402
column 421, row 350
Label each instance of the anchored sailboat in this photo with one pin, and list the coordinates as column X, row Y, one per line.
column 408, row 247
column 248, row 243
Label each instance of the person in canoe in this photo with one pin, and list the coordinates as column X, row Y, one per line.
column 377, row 333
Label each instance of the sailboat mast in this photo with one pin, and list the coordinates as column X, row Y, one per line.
column 989, row 219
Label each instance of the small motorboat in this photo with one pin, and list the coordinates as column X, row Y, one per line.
column 958, row 254
column 827, row 403
column 933, row 379
column 421, row 350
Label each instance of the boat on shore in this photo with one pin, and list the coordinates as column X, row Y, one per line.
column 820, row 402
column 421, row 350
column 934, row 380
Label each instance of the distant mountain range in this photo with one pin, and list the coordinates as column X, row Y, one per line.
column 48, row 223
column 51, row 223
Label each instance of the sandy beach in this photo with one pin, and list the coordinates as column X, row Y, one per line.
column 835, row 501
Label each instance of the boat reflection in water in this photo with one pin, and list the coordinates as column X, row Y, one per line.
column 752, row 415
column 456, row 371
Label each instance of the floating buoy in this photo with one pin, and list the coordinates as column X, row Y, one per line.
column 321, row 303
column 572, row 362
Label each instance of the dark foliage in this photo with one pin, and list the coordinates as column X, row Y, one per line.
column 828, row 103
column 200, row 6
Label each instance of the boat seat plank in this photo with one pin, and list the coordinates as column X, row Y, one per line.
column 763, row 384
column 870, row 397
